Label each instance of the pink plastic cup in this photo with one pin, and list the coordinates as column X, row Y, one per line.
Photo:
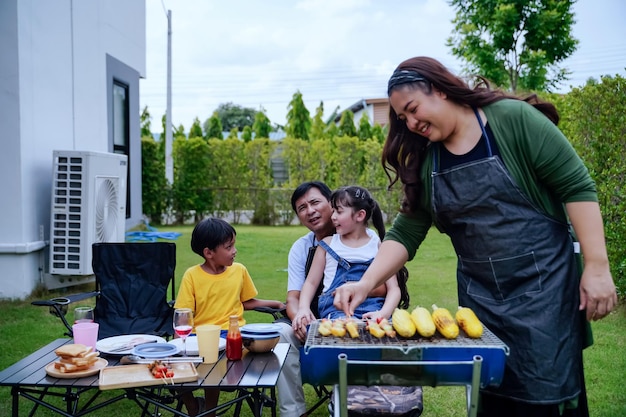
column 86, row 333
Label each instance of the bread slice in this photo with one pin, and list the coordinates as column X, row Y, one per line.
column 73, row 350
column 75, row 357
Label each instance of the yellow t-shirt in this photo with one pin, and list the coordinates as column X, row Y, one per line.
column 213, row 298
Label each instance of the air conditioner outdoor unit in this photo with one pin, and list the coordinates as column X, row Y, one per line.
column 88, row 206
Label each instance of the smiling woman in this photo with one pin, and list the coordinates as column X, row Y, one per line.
column 494, row 173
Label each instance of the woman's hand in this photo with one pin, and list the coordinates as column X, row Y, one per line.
column 597, row 292
column 349, row 296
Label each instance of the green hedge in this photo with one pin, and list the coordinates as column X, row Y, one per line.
column 232, row 176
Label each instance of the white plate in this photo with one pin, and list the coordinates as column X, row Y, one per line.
column 109, row 344
column 260, row 328
column 192, row 344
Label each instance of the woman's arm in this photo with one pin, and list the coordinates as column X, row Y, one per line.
column 597, row 290
column 390, row 258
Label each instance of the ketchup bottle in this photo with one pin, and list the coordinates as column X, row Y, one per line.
column 233, row 340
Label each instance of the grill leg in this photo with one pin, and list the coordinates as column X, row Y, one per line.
column 474, row 389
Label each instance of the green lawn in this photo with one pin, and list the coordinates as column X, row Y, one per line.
column 264, row 250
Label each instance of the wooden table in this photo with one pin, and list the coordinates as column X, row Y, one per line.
column 253, row 379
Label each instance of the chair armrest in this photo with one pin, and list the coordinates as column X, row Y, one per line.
column 58, row 306
column 277, row 313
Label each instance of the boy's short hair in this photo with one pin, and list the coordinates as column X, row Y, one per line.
column 305, row 187
column 211, row 233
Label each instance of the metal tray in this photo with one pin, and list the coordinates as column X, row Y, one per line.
column 439, row 359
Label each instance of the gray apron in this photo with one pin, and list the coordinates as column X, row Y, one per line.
column 517, row 270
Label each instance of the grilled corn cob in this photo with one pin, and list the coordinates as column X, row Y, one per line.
column 387, row 328
column 338, row 328
column 375, row 329
column 352, row 328
column 469, row 322
column 423, row 321
column 324, row 327
column 402, row 322
column 445, row 322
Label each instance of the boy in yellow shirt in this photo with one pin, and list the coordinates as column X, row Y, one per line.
column 216, row 289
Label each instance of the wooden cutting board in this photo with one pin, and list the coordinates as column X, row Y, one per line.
column 127, row 376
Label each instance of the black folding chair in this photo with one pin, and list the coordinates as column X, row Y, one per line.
column 131, row 287
column 132, row 281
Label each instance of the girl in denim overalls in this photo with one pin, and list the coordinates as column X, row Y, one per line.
column 345, row 256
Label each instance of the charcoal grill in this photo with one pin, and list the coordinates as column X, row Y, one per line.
column 405, row 361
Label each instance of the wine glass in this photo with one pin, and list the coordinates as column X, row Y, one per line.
column 83, row 315
column 183, row 324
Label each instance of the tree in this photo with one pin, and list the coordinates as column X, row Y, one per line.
column 378, row 133
column 213, row 127
column 246, row 135
column 195, row 131
column 365, row 128
column 298, row 119
column 154, row 187
column 234, row 133
column 318, row 127
column 232, row 115
column 261, row 126
column 179, row 131
column 346, row 124
column 516, row 45
column 145, row 123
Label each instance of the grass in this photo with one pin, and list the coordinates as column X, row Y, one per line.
column 264, row 250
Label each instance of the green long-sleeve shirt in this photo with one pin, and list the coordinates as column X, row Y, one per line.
column 537, row 155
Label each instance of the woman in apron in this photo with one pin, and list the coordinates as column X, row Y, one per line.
column 495, row 174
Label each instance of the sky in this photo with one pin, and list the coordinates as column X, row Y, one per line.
column 258, row 54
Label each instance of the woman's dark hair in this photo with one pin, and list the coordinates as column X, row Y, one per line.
column 211, row 233
column 404, row 151
column 359, row 198
column 303, row 188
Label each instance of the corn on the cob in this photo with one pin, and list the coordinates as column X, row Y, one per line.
column 387, row 328
column 338, row 328
column 324, row 327
column 469, row 322
column 375, row 329
column 423, row 321
column 445, row 322
column 402, row 322
column 352, row 328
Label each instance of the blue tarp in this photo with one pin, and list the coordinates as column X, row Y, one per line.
column 151, row 235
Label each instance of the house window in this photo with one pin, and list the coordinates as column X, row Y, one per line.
column 121, row 131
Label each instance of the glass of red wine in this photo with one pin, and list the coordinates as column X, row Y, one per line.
column 183, row 324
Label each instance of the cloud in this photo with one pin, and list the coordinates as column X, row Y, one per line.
column 258, row 54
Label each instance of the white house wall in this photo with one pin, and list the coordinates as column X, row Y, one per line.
column 53, row 95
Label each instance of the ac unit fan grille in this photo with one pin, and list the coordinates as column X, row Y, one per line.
column 65, row 252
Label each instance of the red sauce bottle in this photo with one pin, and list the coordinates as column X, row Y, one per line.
column 234, row 345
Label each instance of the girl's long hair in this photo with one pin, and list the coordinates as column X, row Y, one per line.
column 404, row 151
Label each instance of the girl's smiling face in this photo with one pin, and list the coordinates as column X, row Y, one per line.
column 426, row 114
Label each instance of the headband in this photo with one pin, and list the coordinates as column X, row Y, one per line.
column 401, row 76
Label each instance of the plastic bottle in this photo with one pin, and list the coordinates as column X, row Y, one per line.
column 234, row 345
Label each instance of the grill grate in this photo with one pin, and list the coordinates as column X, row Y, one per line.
column 366, row 340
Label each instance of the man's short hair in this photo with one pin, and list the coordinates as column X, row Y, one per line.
column 305, row 187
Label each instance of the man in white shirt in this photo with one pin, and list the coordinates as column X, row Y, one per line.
column 311, row 203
